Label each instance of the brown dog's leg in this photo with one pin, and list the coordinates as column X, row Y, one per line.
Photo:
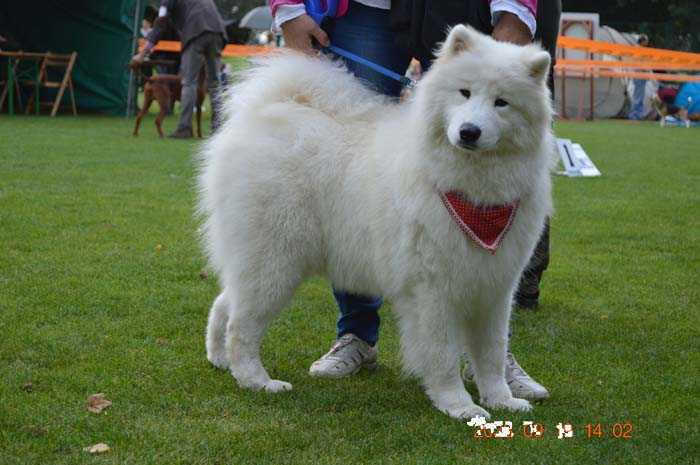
column 159, row 119
column 147, row 101
column 162, row 95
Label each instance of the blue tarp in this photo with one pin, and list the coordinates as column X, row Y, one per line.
column 689, row 90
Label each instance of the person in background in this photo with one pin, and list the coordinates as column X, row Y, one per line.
column 168, row 33
column 639, row 88
column 203, row 35
column 149, row 17
column 369, row 29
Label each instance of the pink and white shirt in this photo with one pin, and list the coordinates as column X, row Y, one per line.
column 525, row 10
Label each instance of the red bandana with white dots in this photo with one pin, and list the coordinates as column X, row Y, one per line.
column 485, row 225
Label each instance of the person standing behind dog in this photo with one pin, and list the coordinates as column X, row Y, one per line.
column 203, row 35
column 639, row 87
column 390, row 33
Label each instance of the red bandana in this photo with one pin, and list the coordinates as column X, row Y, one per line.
column 486, row 226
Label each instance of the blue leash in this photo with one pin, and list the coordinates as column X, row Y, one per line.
column 314, row 8
column 378, row 68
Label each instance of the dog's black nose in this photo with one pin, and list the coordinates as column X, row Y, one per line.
column 469, row 133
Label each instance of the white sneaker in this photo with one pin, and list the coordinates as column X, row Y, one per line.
column 520, row 383
column 347, row 356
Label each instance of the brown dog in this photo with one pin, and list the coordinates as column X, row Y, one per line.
column 166, row 89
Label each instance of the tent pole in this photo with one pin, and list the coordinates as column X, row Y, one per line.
column 131, row 94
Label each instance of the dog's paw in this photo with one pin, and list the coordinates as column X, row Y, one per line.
column 220, row 361
column 270, row 386
column 467, row 412
column 275, row 385
column 513, row 404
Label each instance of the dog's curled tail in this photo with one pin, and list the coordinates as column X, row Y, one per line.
column 289, row 76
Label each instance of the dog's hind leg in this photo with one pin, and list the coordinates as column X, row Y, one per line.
column 261, row 255
column 431, row 343
column 251, row 313
column 161, row 116
column 487, row 342
column 147, row 101
column 216, row 331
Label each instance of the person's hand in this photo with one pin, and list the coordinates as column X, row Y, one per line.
column 299, row 31
column 137, row 59
column 511, row 29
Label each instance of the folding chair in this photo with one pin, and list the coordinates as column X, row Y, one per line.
column 65, row 63
column 5, row 84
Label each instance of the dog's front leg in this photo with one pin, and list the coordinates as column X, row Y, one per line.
column 432, row 342
column 487, row 343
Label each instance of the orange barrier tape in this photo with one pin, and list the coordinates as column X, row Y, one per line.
column 579, row 72
column 627, row 64
column 641, row 53
column 231, row 50
column 593, row 46
column 651, row 58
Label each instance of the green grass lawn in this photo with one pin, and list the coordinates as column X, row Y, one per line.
column 100, row 291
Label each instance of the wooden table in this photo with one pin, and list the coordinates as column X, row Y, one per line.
column 13, row 59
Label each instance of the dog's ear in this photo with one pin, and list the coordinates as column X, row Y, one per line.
column 459, row 39
column 539, row 65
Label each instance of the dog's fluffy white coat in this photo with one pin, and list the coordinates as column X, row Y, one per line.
column 314, row 174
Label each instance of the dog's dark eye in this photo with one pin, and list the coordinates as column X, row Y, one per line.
column 501, row 103
column 465, row 93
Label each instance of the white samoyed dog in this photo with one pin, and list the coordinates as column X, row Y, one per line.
column 436, row 204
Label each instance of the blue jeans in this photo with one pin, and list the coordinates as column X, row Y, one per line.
column 365, row 31
column 638, row 99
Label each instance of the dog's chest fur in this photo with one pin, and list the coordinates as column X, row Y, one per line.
column 432, row 250
column 404, row 236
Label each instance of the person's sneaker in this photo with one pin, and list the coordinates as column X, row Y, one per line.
column 347, row 356
column 182, row 134
column 520, row 383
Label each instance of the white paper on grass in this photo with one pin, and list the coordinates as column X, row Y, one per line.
column 575, row 160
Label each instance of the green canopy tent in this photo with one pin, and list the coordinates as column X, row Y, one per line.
column 102, row 32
